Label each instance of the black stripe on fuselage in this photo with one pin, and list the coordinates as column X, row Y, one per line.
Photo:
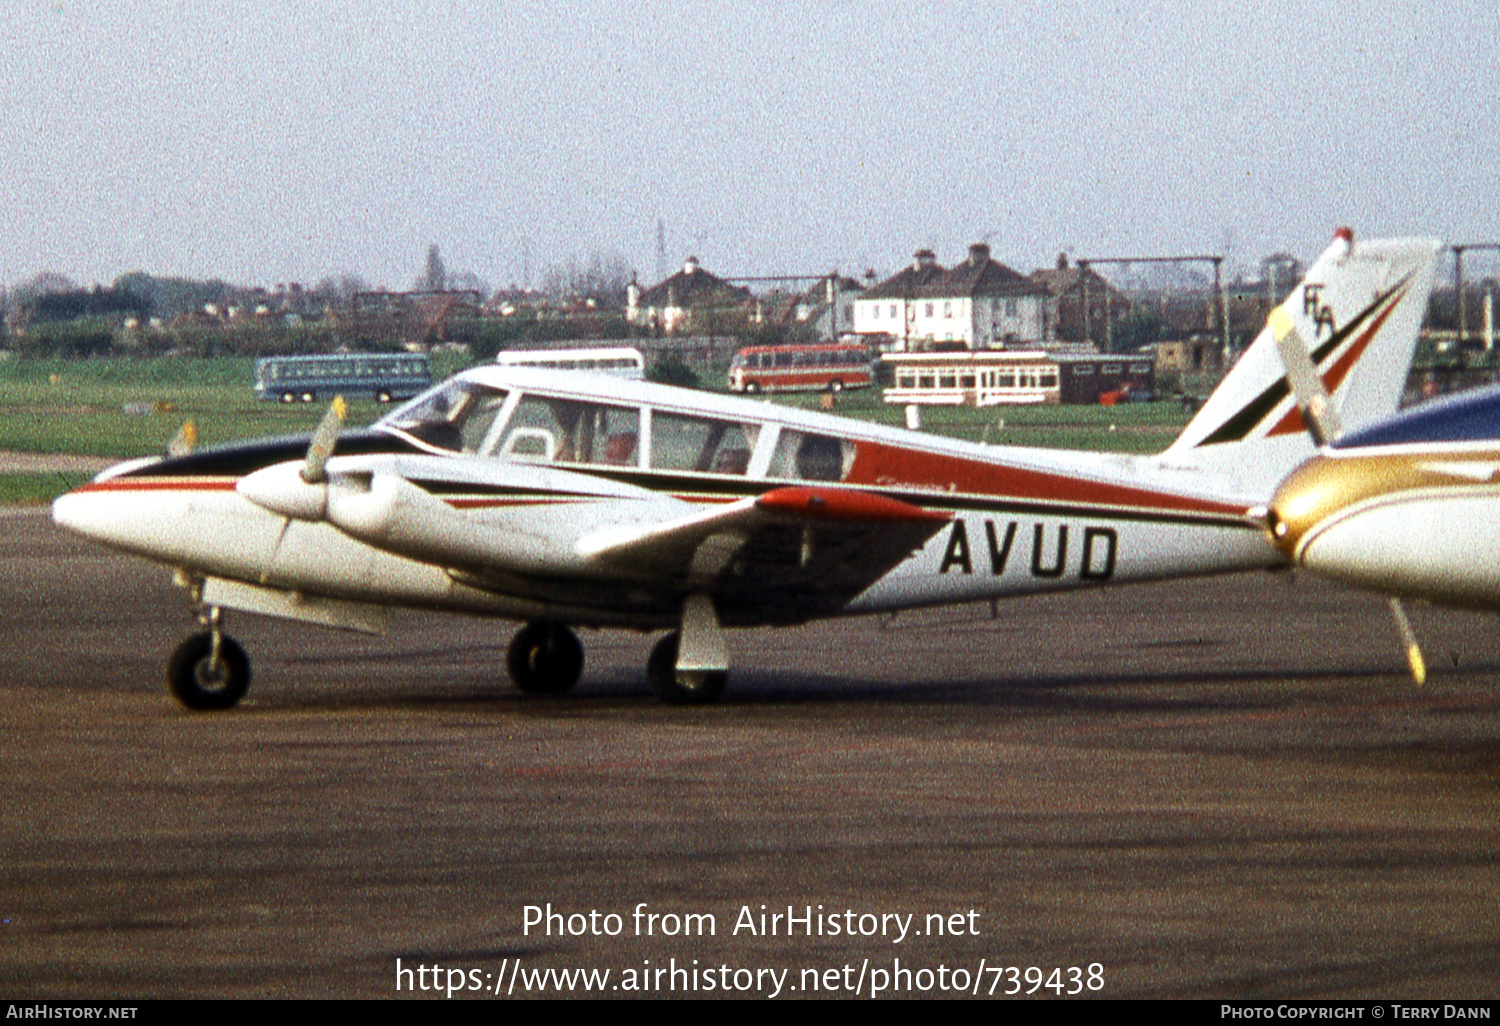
column 241, row 458
column 446, row 489
column 738, row 488
column 733, row 489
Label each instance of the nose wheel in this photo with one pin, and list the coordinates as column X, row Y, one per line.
column 209, row 670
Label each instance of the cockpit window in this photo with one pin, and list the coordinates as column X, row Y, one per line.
column 701, row 444
column 547, row 430
column 457, row 416
column 807, row 457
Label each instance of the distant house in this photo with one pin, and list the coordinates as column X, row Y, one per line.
column 1082, row 302
column 994, row 306
column 825, row 310
column 692, row 300
column 887, row 308
column 828, row 307
column 509, row 302
column 979, row 304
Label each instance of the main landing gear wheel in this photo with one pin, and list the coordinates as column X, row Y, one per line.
column 681, row 687
column 201, row 679
column 545, row 658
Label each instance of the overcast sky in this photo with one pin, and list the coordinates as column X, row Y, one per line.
column 264, row 143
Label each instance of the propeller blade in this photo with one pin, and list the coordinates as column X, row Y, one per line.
column 1409, row 639
column 1318, row 414
column 315, row 470
column 184, row 441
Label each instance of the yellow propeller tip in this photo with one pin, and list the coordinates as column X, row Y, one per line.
column 1418, row 665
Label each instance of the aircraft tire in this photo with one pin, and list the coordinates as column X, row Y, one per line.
column 686, row 687
column 545, row 658
column 197, row 684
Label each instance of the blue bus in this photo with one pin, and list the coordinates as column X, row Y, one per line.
column 383, row 377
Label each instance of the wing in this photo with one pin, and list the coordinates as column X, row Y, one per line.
column 781, row 557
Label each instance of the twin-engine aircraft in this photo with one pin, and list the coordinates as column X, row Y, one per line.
column 567, row 500
column 1409, row 507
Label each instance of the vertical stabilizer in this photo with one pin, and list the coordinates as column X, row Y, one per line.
column 1357, row 312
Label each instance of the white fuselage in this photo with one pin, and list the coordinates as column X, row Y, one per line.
column 504, row 535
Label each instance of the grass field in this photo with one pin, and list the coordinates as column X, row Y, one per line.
column 121, row 408
column 1137, row 427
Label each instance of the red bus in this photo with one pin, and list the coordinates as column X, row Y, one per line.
column 830, row 366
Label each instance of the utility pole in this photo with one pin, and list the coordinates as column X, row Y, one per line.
column 1458, row 276
column 1216, row 259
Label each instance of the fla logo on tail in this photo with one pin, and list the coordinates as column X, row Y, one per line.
column 1357, row 312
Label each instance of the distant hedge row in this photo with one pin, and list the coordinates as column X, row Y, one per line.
column 104, row 336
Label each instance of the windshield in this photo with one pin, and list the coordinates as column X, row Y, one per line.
column 457, row 416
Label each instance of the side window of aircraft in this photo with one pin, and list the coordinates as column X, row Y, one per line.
column 809, row 457
column 607, row 434
column 546, row 430
column 457, row 417
column 701, row 444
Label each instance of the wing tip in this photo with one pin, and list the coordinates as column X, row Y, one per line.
column 845, row 504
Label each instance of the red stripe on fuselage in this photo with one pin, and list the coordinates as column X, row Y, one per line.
column 851, row 505
column 163, row 484
column 878, row 465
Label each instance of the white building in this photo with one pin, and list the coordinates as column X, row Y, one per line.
column 980, row 304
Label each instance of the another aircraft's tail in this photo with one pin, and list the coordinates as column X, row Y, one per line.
column 1358, row 312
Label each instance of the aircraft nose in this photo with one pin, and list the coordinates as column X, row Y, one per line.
column 143, row 522
column 1295, row 509
column 1311, row 495
column 73, row 511
column 92, row 514
column 1329, row 490
column 1280, row 532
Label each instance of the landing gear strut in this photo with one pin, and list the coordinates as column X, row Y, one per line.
column 209, row 670
column 545, row 658
column 681, row 687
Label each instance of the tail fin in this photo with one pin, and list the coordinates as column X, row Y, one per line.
column 1359, row 310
